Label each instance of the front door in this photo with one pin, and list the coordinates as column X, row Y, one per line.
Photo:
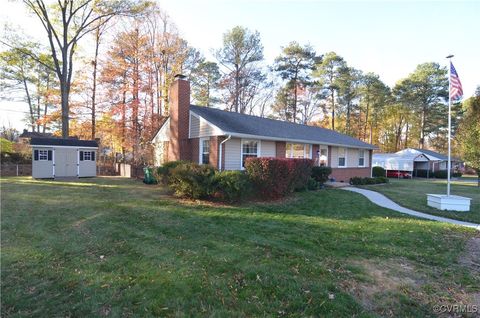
column 65, row 162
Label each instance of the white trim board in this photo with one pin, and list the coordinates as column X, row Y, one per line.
column 51, row 146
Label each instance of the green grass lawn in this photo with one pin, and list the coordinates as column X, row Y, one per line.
column 413, row 194
column 116, row 247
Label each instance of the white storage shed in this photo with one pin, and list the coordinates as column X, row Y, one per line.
column 56, row 157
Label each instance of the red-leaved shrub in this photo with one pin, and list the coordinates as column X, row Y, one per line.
column 276, row 177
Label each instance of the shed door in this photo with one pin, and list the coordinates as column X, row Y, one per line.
column 65, row 162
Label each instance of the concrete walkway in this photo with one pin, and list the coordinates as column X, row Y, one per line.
column 383, row 201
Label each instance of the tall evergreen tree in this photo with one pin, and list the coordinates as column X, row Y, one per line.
column 240, row 54
column 205, row 78
column 425, row 91
column 328, row 72
column 348, row 83
column 295, row 65
column 374, row 96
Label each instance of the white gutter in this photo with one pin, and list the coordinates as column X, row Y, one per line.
column 220, row 159
column 303, row 141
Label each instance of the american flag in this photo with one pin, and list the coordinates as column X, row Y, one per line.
column 456, row 91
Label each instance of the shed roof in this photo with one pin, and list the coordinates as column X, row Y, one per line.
column 63, row 142
column 432, row 153
column 242, row 124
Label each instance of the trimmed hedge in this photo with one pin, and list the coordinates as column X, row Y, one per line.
column 232, row 186
column 378, row 172
column 439, row 174
column 301, row 172
column 162, row 173
column 320, row 174
column 277, row 177
column 423, row 173
column 193, row 181
column 272, row 177
column 367, row 180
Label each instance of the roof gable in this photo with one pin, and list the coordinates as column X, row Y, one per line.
column 432, row 154
column 247, row 125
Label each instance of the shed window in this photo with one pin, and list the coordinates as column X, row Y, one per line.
column 342, row 157
column 43, row 155
column 249, row 149
column 87, row 155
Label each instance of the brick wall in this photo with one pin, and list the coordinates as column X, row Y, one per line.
column 214, row 142
column 344, row 174
column 195, row 149
column 280, row 149
column 180, row 146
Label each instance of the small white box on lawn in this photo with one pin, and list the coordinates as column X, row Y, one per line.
column 449, row 202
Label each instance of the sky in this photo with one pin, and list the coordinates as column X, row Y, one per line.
column 389, row 38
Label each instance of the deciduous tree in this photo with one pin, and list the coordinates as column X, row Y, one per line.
column 468, row 136
column 66, row 22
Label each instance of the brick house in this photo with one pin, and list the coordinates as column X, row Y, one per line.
column 224, row 139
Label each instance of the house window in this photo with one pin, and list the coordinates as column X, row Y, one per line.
column 297, row 151
column 204, row 151
column 249, row 149
column 43, row 155
column 361, row 158
column 323, row 156
column 342, row 162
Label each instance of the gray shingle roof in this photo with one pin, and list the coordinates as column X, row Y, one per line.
column 63, row 142
column 435, row 154
column 242, row 124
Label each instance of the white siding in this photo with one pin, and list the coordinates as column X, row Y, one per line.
column 41, row 169
column 201, row 128
column 88, row 168
column 334, row 163
column 352, row 157
column 194, row 126
column 233, row 154
column 268, row 149
column 367, row 158
column 206, row 129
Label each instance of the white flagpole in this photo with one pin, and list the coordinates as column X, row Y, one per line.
column 449, row 124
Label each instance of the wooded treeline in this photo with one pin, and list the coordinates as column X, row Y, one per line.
column 122, row 60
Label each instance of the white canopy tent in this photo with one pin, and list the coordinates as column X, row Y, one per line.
column 399, row 162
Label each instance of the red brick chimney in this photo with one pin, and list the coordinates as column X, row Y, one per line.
column 179, row 147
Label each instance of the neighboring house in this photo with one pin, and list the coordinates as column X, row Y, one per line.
column 225, row 139
column 56, row 157
column 412, row 159
column 26, row 135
